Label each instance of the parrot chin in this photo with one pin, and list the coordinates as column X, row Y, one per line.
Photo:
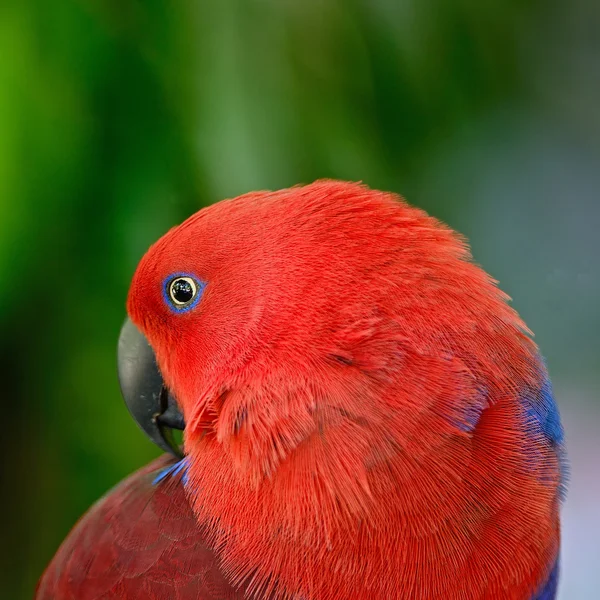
column 149, row 401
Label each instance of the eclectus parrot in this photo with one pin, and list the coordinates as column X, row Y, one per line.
column 365, row 416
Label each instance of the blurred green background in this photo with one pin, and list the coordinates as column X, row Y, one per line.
column 120, row 118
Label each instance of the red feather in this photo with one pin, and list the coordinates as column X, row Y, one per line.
column 139, row 541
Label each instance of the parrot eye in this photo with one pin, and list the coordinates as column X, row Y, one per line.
column 182, row 292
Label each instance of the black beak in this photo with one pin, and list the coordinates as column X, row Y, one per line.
column 148, row 400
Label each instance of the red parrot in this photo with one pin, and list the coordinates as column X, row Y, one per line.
column 365, row 416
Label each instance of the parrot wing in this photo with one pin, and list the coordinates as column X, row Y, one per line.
column 141, row 540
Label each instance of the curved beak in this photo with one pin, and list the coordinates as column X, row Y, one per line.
column 148, row 400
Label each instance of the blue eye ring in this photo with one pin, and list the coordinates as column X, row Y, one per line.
column 182, row 284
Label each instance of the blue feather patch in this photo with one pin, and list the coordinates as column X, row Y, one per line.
column 543, row 419
column 548, row 591
column 471, row 414
column 172, row 471
column 542, row 409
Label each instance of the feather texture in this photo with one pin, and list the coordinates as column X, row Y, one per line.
column 139, row 541
column 366, row 416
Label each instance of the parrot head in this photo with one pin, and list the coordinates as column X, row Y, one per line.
column 351, row 387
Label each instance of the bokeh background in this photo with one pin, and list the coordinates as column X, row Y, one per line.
column 120, row 118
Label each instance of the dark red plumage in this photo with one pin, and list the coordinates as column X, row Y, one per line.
column 140, row 541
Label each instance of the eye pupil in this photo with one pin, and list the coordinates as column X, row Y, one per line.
column 182, row 290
